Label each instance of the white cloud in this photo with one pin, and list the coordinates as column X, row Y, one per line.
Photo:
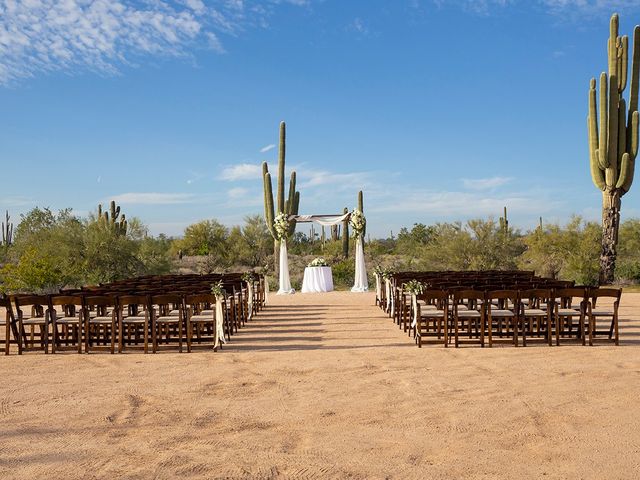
column 266, row 148
column 575, row 8
column 359, row 26
column 40, row 36
column 464, row 205
column 243, row 171
column 315, row 178
column 485, row 183
column 139, row 198
column 238, row 192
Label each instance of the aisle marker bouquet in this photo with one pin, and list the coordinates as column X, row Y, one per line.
column 248, row 277
column 318, row 262
column 281, row 225
column 382, row 272
column 414, row 287
column 357, row 222
column 218, row 289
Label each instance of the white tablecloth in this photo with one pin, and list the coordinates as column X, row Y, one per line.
column 317, row 279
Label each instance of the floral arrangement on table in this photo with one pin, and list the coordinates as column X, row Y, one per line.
column 414, row 287
column 281, row 225
column 218, row 289
column 318, row 262
column 357, row 222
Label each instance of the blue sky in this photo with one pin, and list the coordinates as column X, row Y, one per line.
column 439, row 110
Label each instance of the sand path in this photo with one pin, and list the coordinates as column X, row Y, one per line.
column 325, row 386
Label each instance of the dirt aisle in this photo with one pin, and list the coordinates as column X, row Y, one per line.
column 325, row 386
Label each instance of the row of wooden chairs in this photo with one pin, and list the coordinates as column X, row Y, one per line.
column 149, row 313
column 514, row 316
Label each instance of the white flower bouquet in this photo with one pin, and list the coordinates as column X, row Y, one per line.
column 218, row 289
column 357, row 222
column 414, row 286
column 281, row 225
column 318, row 262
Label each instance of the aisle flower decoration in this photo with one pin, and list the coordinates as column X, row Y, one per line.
column 218, row 289
column 414, row 287
column 357, row 222
column 382, row 272
column 248, row 277
column 281, row 225
column 318, row 262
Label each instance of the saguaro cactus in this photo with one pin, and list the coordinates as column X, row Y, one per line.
column 504, row 222
column 613, row 138
column 345, row 235
column 291, row 205
column 361, row 208
column 7, row 230
column 111, row 220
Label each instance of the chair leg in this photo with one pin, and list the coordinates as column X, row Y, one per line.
column 7, row 331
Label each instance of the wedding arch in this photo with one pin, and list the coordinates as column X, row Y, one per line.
column 282, row 225
column 357, row 221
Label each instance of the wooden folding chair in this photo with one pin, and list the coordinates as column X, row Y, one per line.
column 101, row 323
column 134, row 322
column 468, row 316
column 431, row 316
column 10, row 326
column 594, row 314
column 502, row 314
column 164, row 326
column 201, row 320
column 536, row 314
column 32, row 313
column 67, row 320
column 570, row 304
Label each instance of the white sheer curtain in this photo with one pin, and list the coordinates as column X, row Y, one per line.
column 285, row 282
column 361, row 283
column 219, row 322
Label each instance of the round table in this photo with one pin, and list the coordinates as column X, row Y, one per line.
column 317, row 279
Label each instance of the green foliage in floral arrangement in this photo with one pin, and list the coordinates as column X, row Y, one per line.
column 414, row 287
column 248, row 277
column 218, row 289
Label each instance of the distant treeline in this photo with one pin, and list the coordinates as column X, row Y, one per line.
column 51, row 250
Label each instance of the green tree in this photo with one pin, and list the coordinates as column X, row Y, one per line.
column 204, row 238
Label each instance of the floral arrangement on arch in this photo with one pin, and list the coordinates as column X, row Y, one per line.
column 357, row 222
column 414, row 287
column 318, row 262
column 218, row 289
column 281, row 225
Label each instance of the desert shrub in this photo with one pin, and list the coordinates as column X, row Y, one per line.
column 343, row 273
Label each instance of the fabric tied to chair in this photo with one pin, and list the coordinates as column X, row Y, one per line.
column 250, row 300
column 414, row 303
column 387, row 287
column 266, row 290
column 285, row 281
column 378, row 287
column 219, row 322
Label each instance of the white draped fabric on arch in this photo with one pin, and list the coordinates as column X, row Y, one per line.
column 361, row 283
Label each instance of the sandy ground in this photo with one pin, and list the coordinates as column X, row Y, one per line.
column 326, row 386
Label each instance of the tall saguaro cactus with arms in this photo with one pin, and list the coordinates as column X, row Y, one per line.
column 613, row 138
column 288, row 206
